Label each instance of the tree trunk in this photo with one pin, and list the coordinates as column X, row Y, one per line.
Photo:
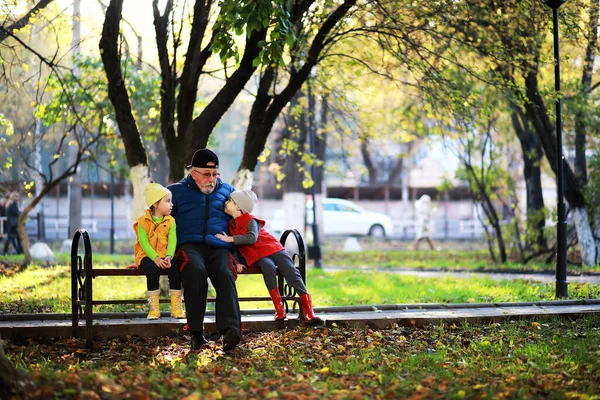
column 49, row 186
column 195, row 60
column 488, row 208
column 12, row 381
column 397, row 171
column 494, row 220
column 321, row 144
column 255, row 140
column 167, row 83
column 584, row 235
column 140, row 177
column 294, row 198
column 204, row 124
column 366, row 154
column 596, row 234
column 117, row 93
column 267, row 108
column 532, row 156
column 242, row 179
column 537, row 115
column 586, row 83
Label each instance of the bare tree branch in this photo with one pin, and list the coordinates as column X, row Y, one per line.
column 23, row 21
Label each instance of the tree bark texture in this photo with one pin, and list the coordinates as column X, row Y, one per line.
column 296, row 131
column 195, row 60
column 532, row 156
column 167, row 84
column 587, row 244
column 12, row 381
column 267, row 108
column 117, row 92
column 537, row 115
column 586, row 83
column 320, row 145
column 254, row 142
column 192, row 134
column 366, row 155
column 490, row 213
column 204, row 124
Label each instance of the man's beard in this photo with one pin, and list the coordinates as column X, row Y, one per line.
column 207, row 189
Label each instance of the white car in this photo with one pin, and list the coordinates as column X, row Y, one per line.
column 343, row 217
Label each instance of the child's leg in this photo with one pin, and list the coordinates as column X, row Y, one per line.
column 289, row 271
column 175, row 291
column 269, row 269
column 153, row 293
column 269, row 272
column 292, row 276
column 152, row 273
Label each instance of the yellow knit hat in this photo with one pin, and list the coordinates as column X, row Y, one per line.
column 154, row 192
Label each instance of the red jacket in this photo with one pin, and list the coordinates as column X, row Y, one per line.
column 265, row 245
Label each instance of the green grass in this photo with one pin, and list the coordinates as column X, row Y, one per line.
column 544, row 358
column 447, row 260
column 38, row 289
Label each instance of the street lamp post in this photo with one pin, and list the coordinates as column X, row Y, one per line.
column 562, row 289
column 315, row 251
column 112, row 212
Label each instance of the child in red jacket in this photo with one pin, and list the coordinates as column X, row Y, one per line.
column 260, row 248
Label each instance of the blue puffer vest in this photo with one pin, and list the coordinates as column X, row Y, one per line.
column 200, row 216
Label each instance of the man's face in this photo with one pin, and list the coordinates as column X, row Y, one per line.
column 205, row 178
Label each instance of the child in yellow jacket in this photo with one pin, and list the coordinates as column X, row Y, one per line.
column 155, row 247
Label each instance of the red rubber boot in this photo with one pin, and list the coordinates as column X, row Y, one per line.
column 279, row 311
column 308, row 315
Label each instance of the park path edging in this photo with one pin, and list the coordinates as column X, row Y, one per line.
column 381, row 316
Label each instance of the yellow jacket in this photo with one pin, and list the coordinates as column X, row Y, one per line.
column 158, row 235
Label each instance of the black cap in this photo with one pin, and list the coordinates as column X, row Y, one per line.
column 202, row 157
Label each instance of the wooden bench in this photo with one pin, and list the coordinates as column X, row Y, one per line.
column 83, row 274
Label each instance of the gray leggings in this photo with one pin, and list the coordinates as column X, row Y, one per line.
column 282, row 260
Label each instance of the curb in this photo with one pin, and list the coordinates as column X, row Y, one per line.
column 332, row 309
column 359, row 317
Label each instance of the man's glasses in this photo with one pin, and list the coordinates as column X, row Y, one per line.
column 208, row 175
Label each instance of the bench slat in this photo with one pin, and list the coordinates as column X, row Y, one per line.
column 139, row 272
column 167, row 301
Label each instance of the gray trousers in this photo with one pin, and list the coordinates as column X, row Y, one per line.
column 197, row 263
column 282, row 260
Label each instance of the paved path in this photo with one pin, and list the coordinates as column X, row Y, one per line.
column 534, row 277
column 377, row 316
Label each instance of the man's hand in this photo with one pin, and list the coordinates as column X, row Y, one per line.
column 224, row 237
column 240, row 267
column 167, row 262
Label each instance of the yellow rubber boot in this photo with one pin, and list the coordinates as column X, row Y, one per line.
column 154, row 304
column 176, row 307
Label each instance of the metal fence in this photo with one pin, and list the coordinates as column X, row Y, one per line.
column 56, row 229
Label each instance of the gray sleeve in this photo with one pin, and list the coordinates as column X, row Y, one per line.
column 249, row 238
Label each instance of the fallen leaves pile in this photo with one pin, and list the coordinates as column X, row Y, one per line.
column 514, row 359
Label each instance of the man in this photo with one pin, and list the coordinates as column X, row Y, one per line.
column 198, row 209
